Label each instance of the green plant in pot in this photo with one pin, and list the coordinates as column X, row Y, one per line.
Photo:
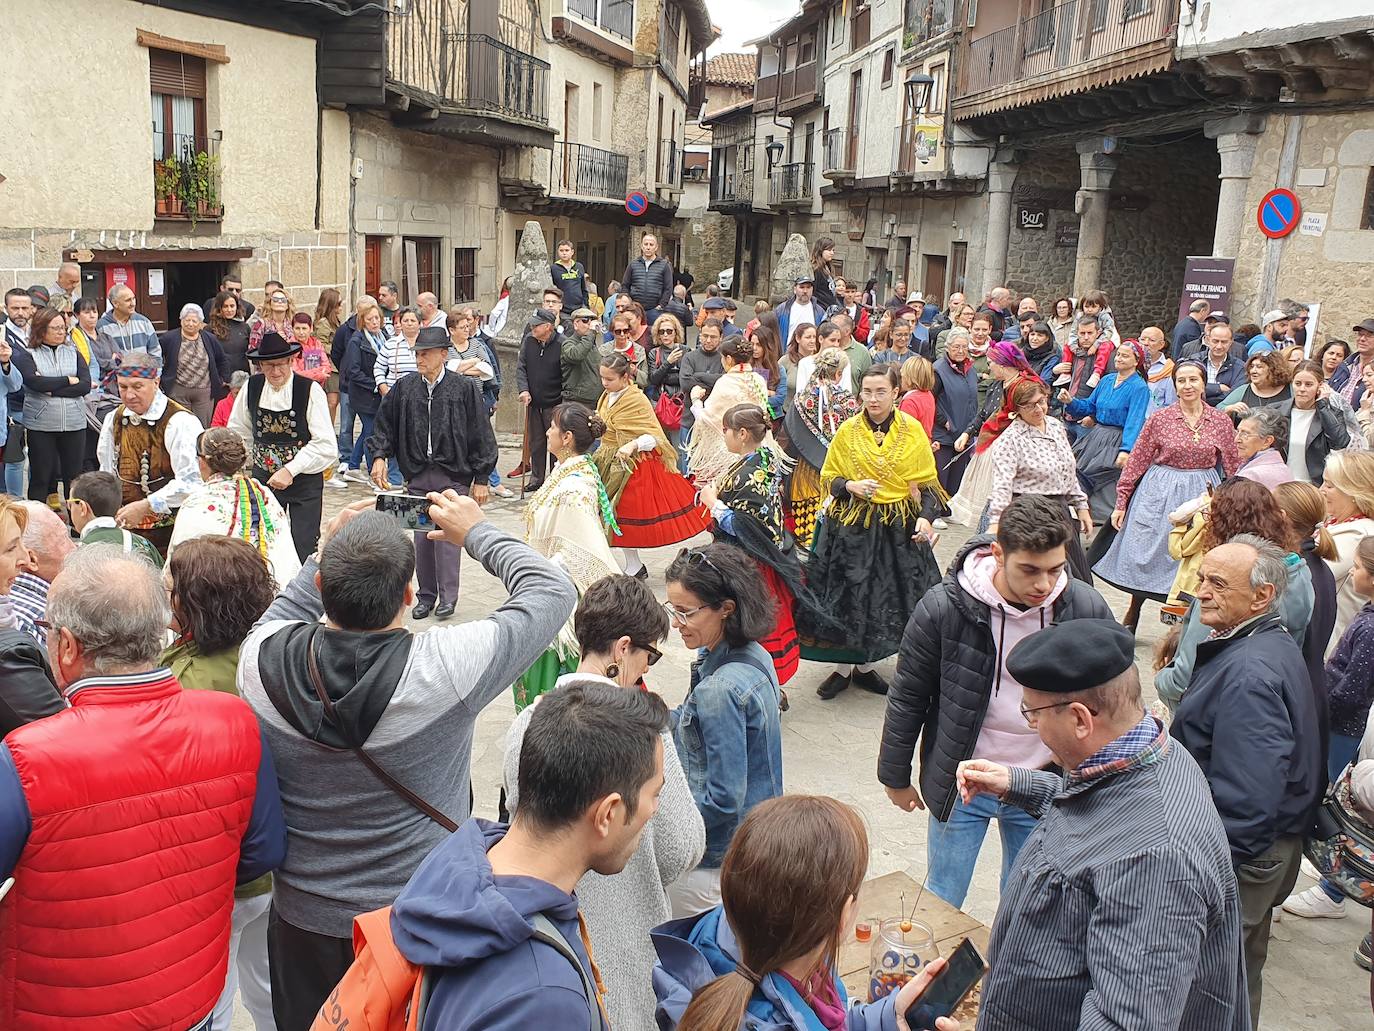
column 167, row 179
column 192, row 181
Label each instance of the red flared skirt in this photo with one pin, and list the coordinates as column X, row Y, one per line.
column 781, row 645
column 657, row 508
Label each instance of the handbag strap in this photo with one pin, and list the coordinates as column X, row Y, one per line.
column 395, row 785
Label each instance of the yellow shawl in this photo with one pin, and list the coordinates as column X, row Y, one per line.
column 631, row 416
column 903, row 462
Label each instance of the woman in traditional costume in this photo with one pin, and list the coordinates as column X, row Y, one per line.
column 872, row 558
column 707, row 455
column 654, row 506
column 1006, row 366
column 567, row 521
column 231, row 503
column 746, row 506
column 811, row 422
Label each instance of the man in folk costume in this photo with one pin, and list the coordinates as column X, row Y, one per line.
column 149, row 442
column 284, row 420
column 435, row 425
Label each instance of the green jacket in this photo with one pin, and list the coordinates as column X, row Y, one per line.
column 581, row 362
column 218, row 672
column 97, row 532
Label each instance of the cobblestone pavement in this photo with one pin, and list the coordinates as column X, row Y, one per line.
column 1311, row 982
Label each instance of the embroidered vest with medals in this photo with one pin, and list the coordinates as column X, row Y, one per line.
column 145, row 465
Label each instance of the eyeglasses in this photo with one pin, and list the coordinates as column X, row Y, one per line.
column 42, row 624
column 680, row 616
column 667, row 331
column 621, row 330
column 278, row 297
column 1026, row 714
column 653, row 653
column 582, row 318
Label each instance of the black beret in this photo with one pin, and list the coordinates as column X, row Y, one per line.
column 542, row 316
column 1075, row 656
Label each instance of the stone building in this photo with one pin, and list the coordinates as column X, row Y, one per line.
column 172, row 165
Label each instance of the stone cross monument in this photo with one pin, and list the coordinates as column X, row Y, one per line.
column 527, row 285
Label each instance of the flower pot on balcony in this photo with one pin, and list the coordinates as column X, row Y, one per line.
column 169, row 207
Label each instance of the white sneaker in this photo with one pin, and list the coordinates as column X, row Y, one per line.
column 355, row 476
column 1310, row 870
column 337, row 482
column 940, row 524
column 502, row 491
column 1313, row 904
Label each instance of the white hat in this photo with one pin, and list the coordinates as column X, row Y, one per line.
column 1277, row 315
column 915, row 297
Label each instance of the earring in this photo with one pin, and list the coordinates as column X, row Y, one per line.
column 613, row 671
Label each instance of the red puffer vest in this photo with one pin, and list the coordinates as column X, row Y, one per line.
column 140, row 795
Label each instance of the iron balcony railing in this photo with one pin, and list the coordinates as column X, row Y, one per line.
column 1062, row 38
column 583, row 171
column 839, row 152
column 733, row 187
column 926, row 20
column 791, row 183
column 186, row 177
column 427, row 57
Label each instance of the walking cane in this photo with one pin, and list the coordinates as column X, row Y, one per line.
column 525, row 453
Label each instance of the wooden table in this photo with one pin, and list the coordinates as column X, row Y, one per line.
column 882, row 897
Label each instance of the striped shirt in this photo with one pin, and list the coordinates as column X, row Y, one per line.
column 395, row 358
column 1122, row 910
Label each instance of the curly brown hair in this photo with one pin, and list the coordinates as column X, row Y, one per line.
column 1280, row 372
column 221, row 586
column 1244, row 506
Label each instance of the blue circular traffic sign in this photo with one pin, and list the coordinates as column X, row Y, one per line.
column 636, row 203
column 1278, row 213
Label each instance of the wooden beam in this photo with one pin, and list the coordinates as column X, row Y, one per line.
column 209, row 51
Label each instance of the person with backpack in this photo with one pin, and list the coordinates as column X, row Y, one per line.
column 371, row 725
column 488, row 930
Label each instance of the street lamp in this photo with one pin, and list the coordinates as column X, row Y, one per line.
column 918, row 86
column 774, row 151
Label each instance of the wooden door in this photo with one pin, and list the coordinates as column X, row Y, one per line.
column 933, row 286
column 152, row 293
column 372, row 265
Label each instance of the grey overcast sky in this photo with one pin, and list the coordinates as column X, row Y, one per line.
column 740, row 20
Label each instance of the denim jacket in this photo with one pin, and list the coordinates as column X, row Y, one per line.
column 729, row 739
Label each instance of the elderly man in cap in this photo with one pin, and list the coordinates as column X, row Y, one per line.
column 1347, row 377
column 580, row 359
column 802, row 308
column 284, row 420
column 1272, row 336
column 1122, row 910
column 435, row 425
column 539, row 378
column 1250, row 721
column 149, row 442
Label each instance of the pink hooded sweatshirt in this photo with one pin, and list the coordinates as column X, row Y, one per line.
column 1004, row 737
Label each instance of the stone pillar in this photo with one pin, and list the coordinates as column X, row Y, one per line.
column 1237, row 137
column 1096, row 168
column 527, row 284
column 1001, row 176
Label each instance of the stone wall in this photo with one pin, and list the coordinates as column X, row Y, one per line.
column 1163, row 209
column 1335, row 268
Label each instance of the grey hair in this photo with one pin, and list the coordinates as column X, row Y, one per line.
column 958, row 333
column 46, row 533
column 1269, row 567
column 197, row 309
column 1270, row 422
column 114, row 604
column 237, row 379
column 117, row 291
column 138, row 360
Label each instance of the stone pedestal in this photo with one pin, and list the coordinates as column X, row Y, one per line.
column 794, row 261
column 527, row 285
column 1001, row 177
column 1237, row 138
column 1096, row 169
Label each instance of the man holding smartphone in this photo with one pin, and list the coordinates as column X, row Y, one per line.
column 1123, row 908
column 435, row 426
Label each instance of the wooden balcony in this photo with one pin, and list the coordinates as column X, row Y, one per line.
column 1073, row 46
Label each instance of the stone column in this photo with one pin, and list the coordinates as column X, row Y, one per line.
column 1237, row 137
column 1001, row 177
column 1096, row 168
column 527, row 284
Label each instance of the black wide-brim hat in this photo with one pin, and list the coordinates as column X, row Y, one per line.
column 272, row 346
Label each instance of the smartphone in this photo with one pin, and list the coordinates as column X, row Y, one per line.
column 410, row 510
column 942, row 996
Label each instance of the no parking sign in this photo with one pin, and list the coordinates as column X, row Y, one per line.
column 1279, row 213
column 636, row 203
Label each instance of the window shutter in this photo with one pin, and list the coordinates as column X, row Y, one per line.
column 176, row 74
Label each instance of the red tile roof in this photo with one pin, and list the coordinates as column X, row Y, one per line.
column 731, row 69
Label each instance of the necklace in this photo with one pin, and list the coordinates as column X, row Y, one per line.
column 1194, row 426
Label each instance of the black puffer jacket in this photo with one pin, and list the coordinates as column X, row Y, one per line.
column 27, row 690
column 945, row 671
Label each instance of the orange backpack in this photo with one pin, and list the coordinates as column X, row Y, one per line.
column 384, row 991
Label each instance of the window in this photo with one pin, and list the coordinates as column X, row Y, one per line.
column 935, row 105
column 1136, row 8
column 178, row 103
column 808, row 50
column 464, row 274
column 859, row 28
column 1367, row 218
column 596, row 111
column 420, row 272
column 789, row 56
column 889, row 61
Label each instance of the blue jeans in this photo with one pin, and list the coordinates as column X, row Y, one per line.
column 494, row 480
column 345, row 429
column 952, row 847
column 393, row 471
